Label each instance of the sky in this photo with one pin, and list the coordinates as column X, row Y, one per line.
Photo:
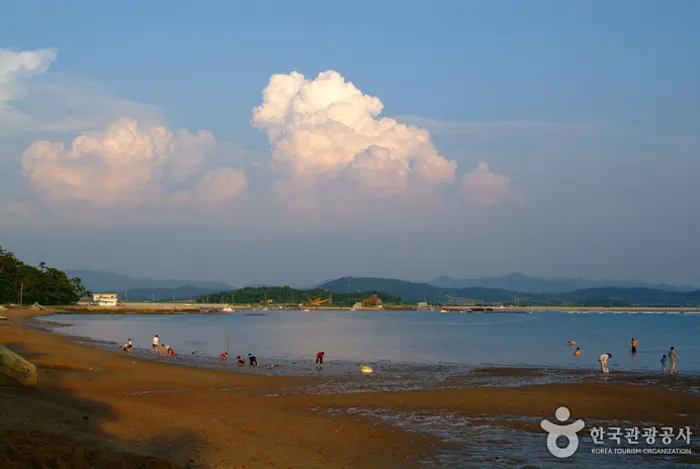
column 295, row 142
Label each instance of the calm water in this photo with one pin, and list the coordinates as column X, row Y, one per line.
column 403, row 338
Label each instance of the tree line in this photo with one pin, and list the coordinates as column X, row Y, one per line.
column 27, row 284
column 293, row 296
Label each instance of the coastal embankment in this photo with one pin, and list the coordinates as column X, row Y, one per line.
column 94, row 408
column 167, row 307
column 175, row 307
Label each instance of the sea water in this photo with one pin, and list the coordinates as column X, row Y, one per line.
column 411, row 338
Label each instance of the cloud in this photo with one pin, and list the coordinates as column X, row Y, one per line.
column 327, row 128
column 216, row 188
column 330, row 150
column 439, row 127
column 18, row 66
column 127, row 165
column 15, row 69
column 484, row 187
column 62, row 102
column 33, row 99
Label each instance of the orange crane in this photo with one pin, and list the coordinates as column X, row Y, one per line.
column 319, row 301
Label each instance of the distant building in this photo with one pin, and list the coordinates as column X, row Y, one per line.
column 105, row 299
column 373, row 300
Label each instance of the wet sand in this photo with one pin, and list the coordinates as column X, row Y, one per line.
column 103, row 409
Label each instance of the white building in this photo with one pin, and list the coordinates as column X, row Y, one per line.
column 105, row 299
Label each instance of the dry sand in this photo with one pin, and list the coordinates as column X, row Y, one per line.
column 91, row 410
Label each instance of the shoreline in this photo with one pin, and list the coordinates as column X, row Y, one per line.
column 185, row 308
column 294, row 366
column 151, row 413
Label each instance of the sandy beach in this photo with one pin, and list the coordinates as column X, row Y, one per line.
column 100, row 409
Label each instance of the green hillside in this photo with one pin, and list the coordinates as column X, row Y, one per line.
column 293, row 296
column 42, row 284
column 412, row 292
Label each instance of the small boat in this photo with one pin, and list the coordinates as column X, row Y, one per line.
column 306, row 310
column 228, row 309
column 366, row 369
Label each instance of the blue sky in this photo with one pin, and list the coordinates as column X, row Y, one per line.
column 593, row 111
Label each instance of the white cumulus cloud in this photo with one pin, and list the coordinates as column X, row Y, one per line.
column 484, row 187
column 15, row 69
column 18, row 66
column 326, row 127
column 127, row 165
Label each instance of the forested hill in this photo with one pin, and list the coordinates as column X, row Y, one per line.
column 42, row 284
column 412, row 292
column 289, row 295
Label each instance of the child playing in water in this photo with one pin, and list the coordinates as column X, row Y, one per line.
column 577, row 353
column 604, row 362
column 253, row 360
column 663, row 364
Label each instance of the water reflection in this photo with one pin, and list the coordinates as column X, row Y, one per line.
column 369, row 337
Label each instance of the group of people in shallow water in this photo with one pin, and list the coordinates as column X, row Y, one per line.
column 156, row 347
column 603, row 360
column 240, row 361
column 253, row 361
column 666, row 360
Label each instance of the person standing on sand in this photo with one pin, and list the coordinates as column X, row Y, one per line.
column 672, row 357
column 604, row 362
column 634, row 345
column 155, row 343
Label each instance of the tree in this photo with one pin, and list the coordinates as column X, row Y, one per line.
column 42, row 284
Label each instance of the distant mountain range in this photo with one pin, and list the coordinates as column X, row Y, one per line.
column 412, row 292
column 525, row 283
column 513, row 288
column 108, row 282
